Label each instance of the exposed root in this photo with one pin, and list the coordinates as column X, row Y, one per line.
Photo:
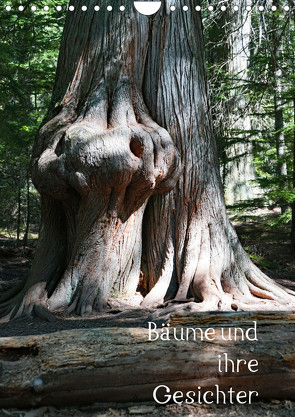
column 43, row 313
column 224, row 279
column 225, row 303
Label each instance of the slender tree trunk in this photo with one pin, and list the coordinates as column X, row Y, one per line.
column 101, row 155
column 18, row 219
column 278, row 112
column 293, row 203
column 292, row 6
column 279, row 126
column 25, row 238
column 240, row 172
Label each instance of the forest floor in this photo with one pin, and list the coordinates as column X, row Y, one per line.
column 268, row 244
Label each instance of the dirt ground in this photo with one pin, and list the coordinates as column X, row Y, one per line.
column 268, row 243
column 269, row 248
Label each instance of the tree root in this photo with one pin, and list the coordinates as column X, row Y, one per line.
column 253, row 291
column 219, row 275
column 43, row 313
column 225, row 302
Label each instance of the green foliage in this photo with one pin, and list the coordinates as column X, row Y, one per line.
column 29, row 43
column 270, row 76
column 261, row 262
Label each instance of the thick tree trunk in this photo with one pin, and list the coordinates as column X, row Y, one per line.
column 96, row 160
column 190, row 246
column 81, row 366
column 99, row 157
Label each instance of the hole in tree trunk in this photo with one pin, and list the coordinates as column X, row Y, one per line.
column 136, row 147
column 60, row 146
column 14, row 354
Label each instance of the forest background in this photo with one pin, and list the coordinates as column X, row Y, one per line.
column 250, row 56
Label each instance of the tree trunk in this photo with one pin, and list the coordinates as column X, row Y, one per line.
column 281, row 167
column 26, row 234
column 190, row 247
column 292, row 6
column 100, row 155
column 293, row 203
column 240, row 172
column 18, row 219
column 279, row 125
column 83, row 366
column 279, row 135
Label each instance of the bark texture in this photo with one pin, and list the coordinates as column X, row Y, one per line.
column 190, row 246
column 106, row 364
column 97, row 159
column 101, row 154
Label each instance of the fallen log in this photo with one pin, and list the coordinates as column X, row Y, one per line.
column 84, row 366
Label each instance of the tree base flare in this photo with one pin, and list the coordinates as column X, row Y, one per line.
column 168, row 310
column 217, row 275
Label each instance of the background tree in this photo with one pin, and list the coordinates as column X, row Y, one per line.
column 271, row 86
column 228, row 42
column 100, row 155
column 266, row 88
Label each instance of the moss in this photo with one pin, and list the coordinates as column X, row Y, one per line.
column 263, row 263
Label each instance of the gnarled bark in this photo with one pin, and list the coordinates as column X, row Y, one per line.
column 97, row 159
column 100, row 155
